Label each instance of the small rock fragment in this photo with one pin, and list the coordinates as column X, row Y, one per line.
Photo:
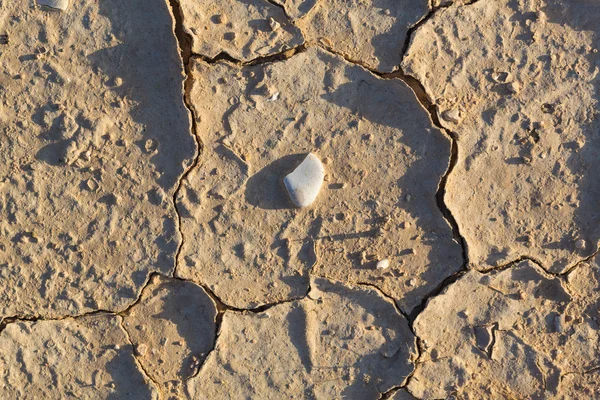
column 304, row 183
column 547, row 108
column 580, row 244
column 483, row 337
column 141, row 349
column 91, row 185
column 221, row 19
column 383, row 264
column 514, row 87
column 55, row 4
column 150, row 146
column 452, row 115
column 274, row 25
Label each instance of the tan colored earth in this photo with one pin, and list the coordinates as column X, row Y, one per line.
column 150, row 250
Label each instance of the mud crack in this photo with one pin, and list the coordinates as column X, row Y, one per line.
column 184, row 41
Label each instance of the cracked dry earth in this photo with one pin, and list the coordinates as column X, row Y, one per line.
column 149, row 250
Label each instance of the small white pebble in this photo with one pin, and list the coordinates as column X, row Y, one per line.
column 55, row 4
column 304, row 183
column 383, row 264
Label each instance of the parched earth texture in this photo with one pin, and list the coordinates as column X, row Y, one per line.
column 148, row 249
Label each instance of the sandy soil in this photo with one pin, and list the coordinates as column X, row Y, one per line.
column 150, row 250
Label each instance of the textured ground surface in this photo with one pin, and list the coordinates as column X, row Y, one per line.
column 148, row 249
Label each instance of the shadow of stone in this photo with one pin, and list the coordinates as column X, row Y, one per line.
column 306, row 6
column 266, row 190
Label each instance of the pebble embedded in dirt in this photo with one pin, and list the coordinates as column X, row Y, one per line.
column 91, row 185
column 304, row 183
column 54, row 4
column 383, row 264
column 452, row 115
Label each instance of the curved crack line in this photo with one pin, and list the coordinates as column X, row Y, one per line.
column 280, row 56
column 184, row 41
column 417, row 341
column 539, row 264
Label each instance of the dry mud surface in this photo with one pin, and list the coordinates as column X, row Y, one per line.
column 149, row 249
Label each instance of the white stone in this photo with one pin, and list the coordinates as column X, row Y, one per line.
column 304, row 183
column 56, row 4
column 383, row 264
